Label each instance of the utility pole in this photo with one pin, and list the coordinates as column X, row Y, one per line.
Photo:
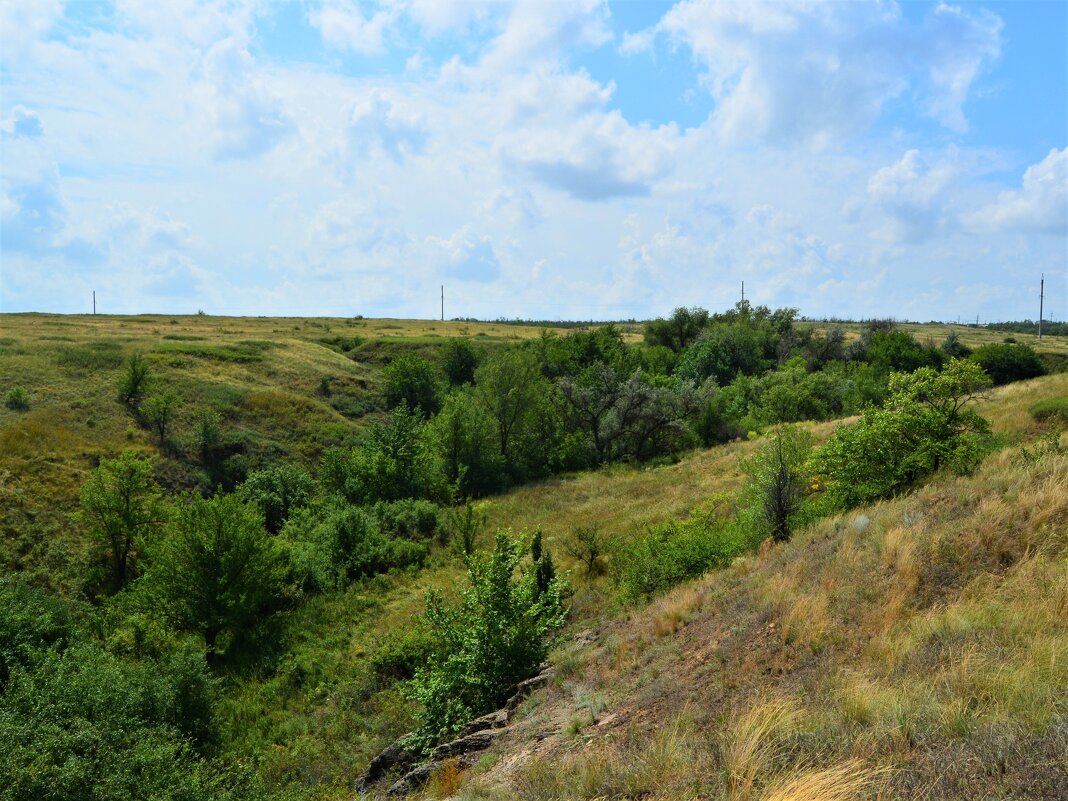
column 94, row 301
column 743, row 291
column 1041, row 301
column 443, row 303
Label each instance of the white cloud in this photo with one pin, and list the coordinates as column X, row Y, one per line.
column 816, row 72
column 596, row 157
column 1039, row 206
column 468, row 256
column 380, row 121
column 911, row 194
column 243, row 116
column 22, row 123
column 344, row 26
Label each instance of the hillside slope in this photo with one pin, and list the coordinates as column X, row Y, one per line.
column 917, row 648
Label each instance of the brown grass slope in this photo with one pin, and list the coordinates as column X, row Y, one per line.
column 917, row 648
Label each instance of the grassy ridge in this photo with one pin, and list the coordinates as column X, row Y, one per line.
column 910, row 649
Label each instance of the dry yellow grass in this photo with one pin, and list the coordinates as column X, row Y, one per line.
column 845, row 782
column 752, row 742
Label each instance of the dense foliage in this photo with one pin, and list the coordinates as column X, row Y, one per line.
column 498, row 634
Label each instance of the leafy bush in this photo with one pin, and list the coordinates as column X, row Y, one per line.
column 395, row 461
column 1051, row 410
column 672, row 552
column 17, row 399
column 277, row 491
column 331, row 544
column 31, row 624
column 498, row 635
column 411, row 380
column 408, row 519
column 216, row 570
column 133, row 383
column 924, row 425
column 1005, row 363
column 403, row 651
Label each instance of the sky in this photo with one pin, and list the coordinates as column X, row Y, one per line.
column 541, row 160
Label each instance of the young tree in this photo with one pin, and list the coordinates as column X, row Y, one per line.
column 778, row 480
column 587, row 546
column 411, row 380
column 1005, row 363
column 498, row 635
column 121, row 503
column 134, row 380
column 464, row 436
column 217, row 569
column 395, row 461
column 159, row 411
column 461, row 361
column 679, row 330
column 509, row 386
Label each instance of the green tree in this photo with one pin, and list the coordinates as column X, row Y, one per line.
column 464, row 436
column 411, row 380
column 277, row 491
column 133, row 383
column 121, row 504
column 677, row 331
column 510, row 387
column 925, row 424
column 394, row 461
column 461, row 361
column 498, row 635
column 216, row 569
column 158, row 412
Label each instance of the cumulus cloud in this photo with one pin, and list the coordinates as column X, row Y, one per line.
column 22, row 123
column 819, row 71
column 380, row 121
column 595, row 158
column 468, row 256
column 910, row 193
column 1040, row 205
column 344, row 26
column 244, row 117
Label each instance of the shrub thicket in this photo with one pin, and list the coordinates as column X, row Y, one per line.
column 498, row 635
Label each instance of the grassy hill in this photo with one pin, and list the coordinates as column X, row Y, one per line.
column 875, row 648
column 916, row 648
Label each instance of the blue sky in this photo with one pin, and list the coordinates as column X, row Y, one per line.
column 540, row 159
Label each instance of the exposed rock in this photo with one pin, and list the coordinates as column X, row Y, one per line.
column 479, row 741
column 476, row 736
column 396, row 758
column 525, row 688
column 494, row 720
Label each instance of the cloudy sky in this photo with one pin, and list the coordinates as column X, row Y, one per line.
column 541, row 159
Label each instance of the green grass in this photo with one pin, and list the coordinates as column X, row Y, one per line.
column 933, row 638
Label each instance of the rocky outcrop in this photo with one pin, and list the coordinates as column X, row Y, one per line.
column 475, row 737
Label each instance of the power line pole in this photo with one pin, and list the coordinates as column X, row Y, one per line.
column 1041, row 301
column 94, row 301
column 743, row 291
column 443, row 303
